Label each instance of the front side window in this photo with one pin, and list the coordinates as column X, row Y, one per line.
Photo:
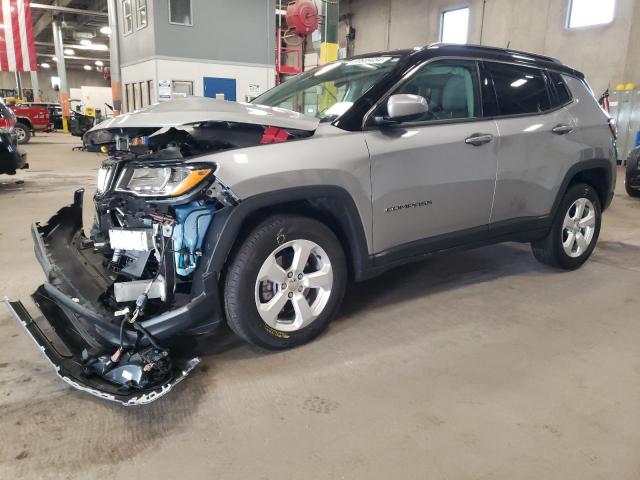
column 520, row 90
column 455, row 26
column 127, row 17
column 450, row 88
column 141, row 13
column 329, row 91
column 589, row 13
column 180, row 12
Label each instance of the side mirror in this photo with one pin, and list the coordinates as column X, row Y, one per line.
column 405, row 107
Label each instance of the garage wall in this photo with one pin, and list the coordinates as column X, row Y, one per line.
column 75, row 78
column 602, row 53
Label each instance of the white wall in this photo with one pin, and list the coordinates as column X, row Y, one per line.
column 75, row 78
column 608, row 54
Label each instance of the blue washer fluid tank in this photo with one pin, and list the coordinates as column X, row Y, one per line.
column 189, row 234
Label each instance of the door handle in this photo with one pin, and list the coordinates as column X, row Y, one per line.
column 478, row 139
column 562, row 129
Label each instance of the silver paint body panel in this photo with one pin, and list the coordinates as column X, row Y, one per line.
column 200, row 109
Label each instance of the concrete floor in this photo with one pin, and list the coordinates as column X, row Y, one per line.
column 477, row 365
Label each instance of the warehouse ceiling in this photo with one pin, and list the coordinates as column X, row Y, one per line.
column 81, row 32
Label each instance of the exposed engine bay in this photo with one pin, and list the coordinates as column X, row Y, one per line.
column 117, row 297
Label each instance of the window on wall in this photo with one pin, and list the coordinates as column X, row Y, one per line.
column 182, row 88
column 150, row 91
column 180, row 12
column 127, row 17
column 588, row 13
column 455, row 26
column 141, row 13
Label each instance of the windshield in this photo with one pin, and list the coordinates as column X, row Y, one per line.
column 327, row 92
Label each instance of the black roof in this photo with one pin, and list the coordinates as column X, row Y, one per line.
column 434, row 50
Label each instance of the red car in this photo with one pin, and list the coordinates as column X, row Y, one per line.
column 30, row 119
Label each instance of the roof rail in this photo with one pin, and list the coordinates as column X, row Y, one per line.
column 535, row 56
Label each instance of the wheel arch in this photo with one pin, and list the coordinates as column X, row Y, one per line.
column 25, row 121
column 598, row 173
column 329, row 204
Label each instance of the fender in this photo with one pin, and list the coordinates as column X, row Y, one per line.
column 224, row 230
column 582, row 167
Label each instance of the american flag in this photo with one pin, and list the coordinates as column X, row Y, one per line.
column 17, row 48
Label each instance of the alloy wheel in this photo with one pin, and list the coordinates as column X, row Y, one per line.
column 578, row 227
column 293, row 285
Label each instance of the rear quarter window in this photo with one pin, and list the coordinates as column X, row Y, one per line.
column 519, row 89
column 562, row 94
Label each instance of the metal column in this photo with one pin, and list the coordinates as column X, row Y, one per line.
column 114, row 61
column 62, row 74
column 35, row 86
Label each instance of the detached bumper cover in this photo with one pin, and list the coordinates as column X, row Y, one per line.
column 67, row 363
column 74, row 324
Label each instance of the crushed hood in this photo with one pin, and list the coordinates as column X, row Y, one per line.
column 199, row 109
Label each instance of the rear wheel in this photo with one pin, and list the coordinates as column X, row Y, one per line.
column 23, row 133
column 574, row 232
column 285, row 283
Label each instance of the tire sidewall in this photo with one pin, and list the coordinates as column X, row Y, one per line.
column 27, row 134
column 271, row 234
column 574, row 193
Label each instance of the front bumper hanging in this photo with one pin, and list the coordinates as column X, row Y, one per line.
column 74, row 330
column 68, row 363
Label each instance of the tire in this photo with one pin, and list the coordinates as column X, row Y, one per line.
column 551, row 251
column 632, row 192
column 252, row 282
column 23, row 133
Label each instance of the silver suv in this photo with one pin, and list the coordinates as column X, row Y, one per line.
column 258, row 214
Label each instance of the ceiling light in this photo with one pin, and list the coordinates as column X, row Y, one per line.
column 87, row 67
column 85, row 42
column 105, row 30
column 69, row 51
column 92, row 46
column 45, row 65
column 99, row 63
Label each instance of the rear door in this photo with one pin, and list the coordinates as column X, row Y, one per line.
column 433, row 179
column 535, row 144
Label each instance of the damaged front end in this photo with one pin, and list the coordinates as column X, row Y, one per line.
column 116, row 300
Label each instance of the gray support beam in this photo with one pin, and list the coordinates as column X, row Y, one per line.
column 45, row 20
column 35, row 86
column 62, row 73
column 59, row 9
column 114, row 51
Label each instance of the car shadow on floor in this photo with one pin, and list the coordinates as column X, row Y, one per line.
column 421, row 279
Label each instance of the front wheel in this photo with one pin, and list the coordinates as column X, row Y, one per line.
column 574, row 232
column 285, row 283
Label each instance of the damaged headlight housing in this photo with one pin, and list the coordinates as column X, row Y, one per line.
column 161, row 181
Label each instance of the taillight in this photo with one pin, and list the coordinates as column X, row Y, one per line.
column 614, row 128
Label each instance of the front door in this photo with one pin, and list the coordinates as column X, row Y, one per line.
column 434, row 179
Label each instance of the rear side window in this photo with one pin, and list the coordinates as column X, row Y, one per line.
column 520, row 90
column 561, row 91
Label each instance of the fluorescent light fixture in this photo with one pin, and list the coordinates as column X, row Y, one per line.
column 106, row 30
column 85, row 42
column 518, row 83
column 99, row 63
column 588, row 13
column 455, row 26
column 69, row 51
column 92, row 46
column 45, row 65
column 88, row 67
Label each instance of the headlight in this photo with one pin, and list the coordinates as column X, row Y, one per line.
column 161, row 182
